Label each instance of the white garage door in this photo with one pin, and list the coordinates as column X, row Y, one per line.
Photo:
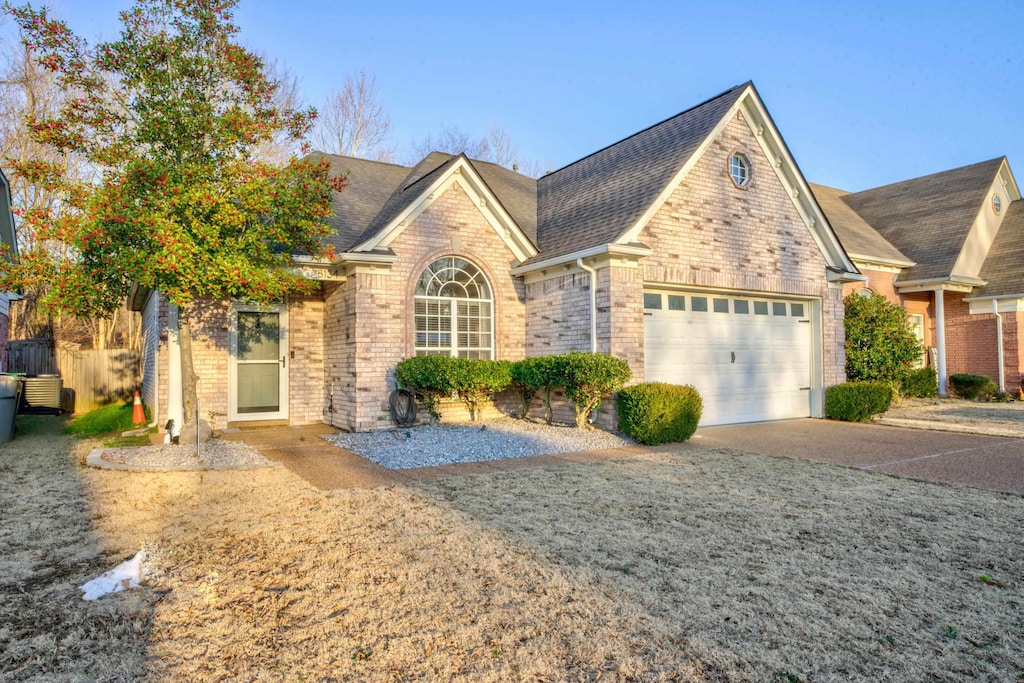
column 750, row 358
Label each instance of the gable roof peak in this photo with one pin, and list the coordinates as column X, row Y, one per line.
column 731, row 91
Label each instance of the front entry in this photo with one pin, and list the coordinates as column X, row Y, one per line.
column 258, row 372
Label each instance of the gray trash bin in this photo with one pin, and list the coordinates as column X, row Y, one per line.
column 8, row 406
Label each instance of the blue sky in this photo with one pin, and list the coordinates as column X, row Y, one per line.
column 864, row 95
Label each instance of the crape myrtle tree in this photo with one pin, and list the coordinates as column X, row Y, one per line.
column 170, row 114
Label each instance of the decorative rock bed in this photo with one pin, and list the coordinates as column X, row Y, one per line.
column 449, row 444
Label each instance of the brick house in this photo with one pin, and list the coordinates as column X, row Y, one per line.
column 948, row 247
column 7, row 237
column 693, row 249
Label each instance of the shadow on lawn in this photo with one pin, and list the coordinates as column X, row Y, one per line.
column 50, row 550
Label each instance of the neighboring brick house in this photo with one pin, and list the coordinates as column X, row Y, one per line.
column 948, row 247
column 693, row 249
column 7, row 237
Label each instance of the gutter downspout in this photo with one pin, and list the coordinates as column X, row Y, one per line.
column 593, row 303
column 999, row 341
column 940, row 340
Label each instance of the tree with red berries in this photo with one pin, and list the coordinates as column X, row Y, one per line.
column 170, row 115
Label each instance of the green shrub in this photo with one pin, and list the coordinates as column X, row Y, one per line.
column 857, row 401
column 589, row 377
column 969, row 386
column 475, row 381
column 921, row 383
column 429, row 378
column 655, row 413
column 538, row 375
column 880, row 344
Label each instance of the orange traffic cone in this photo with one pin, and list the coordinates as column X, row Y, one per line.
column 138, row 414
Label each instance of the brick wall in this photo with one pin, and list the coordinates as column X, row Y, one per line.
column 558, row 315
column 306, row 392
column 971, row 342
column 369, row 321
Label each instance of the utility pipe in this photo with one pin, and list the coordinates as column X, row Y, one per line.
column 593, row 303
column 999, row 342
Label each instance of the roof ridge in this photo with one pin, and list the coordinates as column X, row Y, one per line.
column 360, row 159
column 644, row 130
column 930, row 175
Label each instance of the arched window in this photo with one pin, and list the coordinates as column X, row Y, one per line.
column 454, row 310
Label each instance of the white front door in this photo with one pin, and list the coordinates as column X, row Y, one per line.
column 258, row 369
column 748, row 357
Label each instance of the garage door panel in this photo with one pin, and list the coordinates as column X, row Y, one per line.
column 747, row 367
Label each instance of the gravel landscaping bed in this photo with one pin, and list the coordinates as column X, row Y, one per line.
column 215, row 454
column 450, row 444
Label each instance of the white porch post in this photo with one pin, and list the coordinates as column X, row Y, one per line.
column 999, row 343
column 940, row 340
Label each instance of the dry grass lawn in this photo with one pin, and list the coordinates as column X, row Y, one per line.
column 681, row 565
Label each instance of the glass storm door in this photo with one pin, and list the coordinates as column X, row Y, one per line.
column 259, row 358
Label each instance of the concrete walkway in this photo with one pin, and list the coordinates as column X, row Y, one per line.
column 990, row 462
column 327, row 466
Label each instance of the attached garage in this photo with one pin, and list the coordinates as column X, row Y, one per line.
column 751, row 358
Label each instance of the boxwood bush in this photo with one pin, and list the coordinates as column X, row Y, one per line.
column 537, row 375
column 966, row 385
column 921, row 383
column 589, row 377
column 655, row 413
column 857, row 401
column 429, row 378
column 474, row 381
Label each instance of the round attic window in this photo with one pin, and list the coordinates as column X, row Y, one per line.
column 739, row 170
column 997, row 203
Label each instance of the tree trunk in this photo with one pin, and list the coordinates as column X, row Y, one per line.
column 190, row 382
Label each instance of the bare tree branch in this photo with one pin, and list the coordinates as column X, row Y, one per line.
column 354, row 123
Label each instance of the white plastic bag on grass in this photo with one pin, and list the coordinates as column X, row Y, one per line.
column 123, row 576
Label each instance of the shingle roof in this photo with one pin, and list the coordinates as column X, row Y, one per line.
column 856, row 235
column 595, row 200
column 370, row 183
column 377, row 192
column 928, row 218
column 411, row 187
column 1002, row 267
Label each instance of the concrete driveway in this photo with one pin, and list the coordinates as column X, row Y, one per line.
column 990, row 462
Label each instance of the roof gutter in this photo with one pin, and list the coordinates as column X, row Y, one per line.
column 630, row 250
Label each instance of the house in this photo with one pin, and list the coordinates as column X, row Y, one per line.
column 8, row 238
column 694, row 249
column 948, row 247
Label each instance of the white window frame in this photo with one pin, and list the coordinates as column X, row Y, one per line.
column 474, row 275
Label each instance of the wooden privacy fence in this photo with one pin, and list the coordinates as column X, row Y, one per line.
column 97, row 377
column 31, row 356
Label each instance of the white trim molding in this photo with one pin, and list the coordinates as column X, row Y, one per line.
column 460, row 173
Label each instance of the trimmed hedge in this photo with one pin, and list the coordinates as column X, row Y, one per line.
column 654, row 413
column 921, row 383
column 966, row 385
column 429, row 378
column 857, row 401
column 475, row 380
column 537, row 375
column 589, row 377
